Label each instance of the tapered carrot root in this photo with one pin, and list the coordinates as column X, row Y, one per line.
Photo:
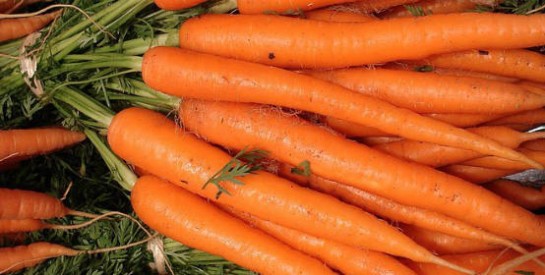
column 433, row 93
column 514, row 264
column 476, row 175
column 442, row 244
column 19, row 27
column 346, row 259
column 277, row 199
column 23, row 143
column 525, row 196
column 537, row 145
column 297, row 43
column 20, row 257
column 433, row 7
column 291, row 140
column 292, row 6
column 188, row 74
column 341, row 16
column 174, row 5
column 22, row 225
column 370, row 6
column 504, row 164
column 372, row 141
column 193, row 221
column 464, row 120
column 530, row 117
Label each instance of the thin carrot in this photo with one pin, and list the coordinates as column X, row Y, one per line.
column 24, row 204
column 521, row 64
column 442, row 244
column 504, row 164
column 537, row 144
column 23, row 256
column 526, row 196
column 433, row 93
column 333, row 15
column 433, row 7
column 531, row 117
column 478, row 175
column 181, row 158
column 188, row 74
column 19, row 144
column 184, row 217
column 19, row 27
column 351, row 129
column 344, row 258
column 291, row 140
column 284, row 7
column 370, row 6
column 298, row 43
column 513, row 265
column 464, row 120
column 175, row 5
column 372, row 141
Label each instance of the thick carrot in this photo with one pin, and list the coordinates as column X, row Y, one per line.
column 504, row 164
column 433, row 93
column 19, row 27
column 291, row 140
column 163, row 149
column 531, row 117
column 184, row 217
column 521, row 64
column 370, row 6
column 20, row 257
column 525, row 196
column 188, row 74
column 21, row 225
column 442, row 244
column 23, row 143
column 175, row 5
column 298, row 43
column 478, row 175
column 433, row 7
column 24, row 204
column 333, row 15
column 282, row 6
column 344, row 258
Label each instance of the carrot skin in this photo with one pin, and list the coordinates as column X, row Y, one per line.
column 193, row 221
column 525, row 196
column 478, row 175
column 23, row 256
column 530, row 117
column 174, row 5
column 19, row 27
column 298, row 43
column 192, row 75
column 21, row 225
column 152, row 142
column 280, row 6
column 23, row 204
column 371, row 6
column 503, row 164
column 292, row 141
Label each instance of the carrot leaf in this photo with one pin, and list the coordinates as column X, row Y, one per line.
column 302, row 169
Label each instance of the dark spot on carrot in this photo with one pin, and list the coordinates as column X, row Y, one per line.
column 183, row 181
column 481, row 52
column 424, row 69
column 272, row 56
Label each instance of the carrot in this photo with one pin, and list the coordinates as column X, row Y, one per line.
column 24, row 225
column 525, row 196
column 501, row 163
column 333, row 15
column 370, row 6
column 179, row 157
column 19, row 27
column 298, row 43
column 372, row 141
column 351, row 129
column 480, row 261
column 433, row 7
column 19, row 144
column 513, row 264
column 521, row 64
column 186, row 218
column 344, row 258
column 433, row 93
column 23, row 204
column 531, row 117
column 23, row 256
column 442, row 243
column 284, row 7
column 291, row 140
column 536, row 145
column 188, row 74
column 464, row 120
column 175, row 5
column 478, row 175
column 397, row 212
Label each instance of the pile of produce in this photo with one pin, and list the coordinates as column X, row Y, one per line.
column 272, row 137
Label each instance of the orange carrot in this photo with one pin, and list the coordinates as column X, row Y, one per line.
column 19, row 27
column 298, row 43
column 477, row 175
column 442, row 244
column 175, row 5
column 186, row 218
column 351, row 129
column 513, row 265
column 344, row 258
column 370, row 6
column 525, row 196
column 19, row 144
column 20, row 257
column 188, row 74
column 504, row 164
column 521, row 64
column 464, row 120
column 536, row 145
column 291, row 140
column 433, row 93
column 181, row 158
column 281, row 6
column 531, row 117
column 23, row 204
column 21, row 225
column 341, row 16
column 433, row 7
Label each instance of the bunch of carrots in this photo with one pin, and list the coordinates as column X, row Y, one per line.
column 323, row 137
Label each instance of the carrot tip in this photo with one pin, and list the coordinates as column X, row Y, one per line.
column 439, row 261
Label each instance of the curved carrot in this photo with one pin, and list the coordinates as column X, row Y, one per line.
column 298, row 43
column 536, row 145
column 433, row 7
column 174, row 5
column 503, row 164
column 442, row 244
column 521, row 64
column 191, row 220
column 370, row 6
column 531, row 117
column 24, row 204
column 525, row 196
column 282, row 6
column 372, row 141
column 351, row 129
column 20, row 257
column 162, row 149
column 464, row 120
column 433, row 93
column 19, row 27
column 341, row 16
column 344, row 258
column 478, row 175
column 292, row 140
column 19, row 144
column 184, row 73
